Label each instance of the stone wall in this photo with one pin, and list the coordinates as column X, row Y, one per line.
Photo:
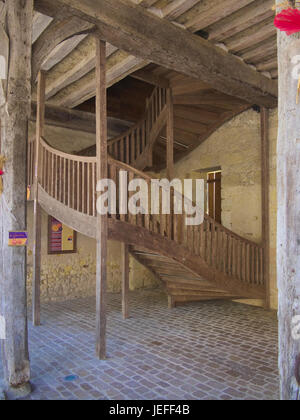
column 70, row 276
column 236, row 148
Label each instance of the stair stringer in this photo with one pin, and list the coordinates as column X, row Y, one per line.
column 133, row 235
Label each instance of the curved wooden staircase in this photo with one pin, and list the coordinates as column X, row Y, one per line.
column 193, row 262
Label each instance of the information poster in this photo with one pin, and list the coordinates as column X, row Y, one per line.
column 61, row 238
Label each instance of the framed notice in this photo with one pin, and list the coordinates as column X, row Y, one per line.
column 61, row 238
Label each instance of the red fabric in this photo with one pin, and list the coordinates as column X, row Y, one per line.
column 288, row 21
column 1, row 173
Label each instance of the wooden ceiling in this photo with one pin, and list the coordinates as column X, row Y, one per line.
column 243, row 28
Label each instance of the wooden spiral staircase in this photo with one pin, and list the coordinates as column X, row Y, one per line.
column 193, row 262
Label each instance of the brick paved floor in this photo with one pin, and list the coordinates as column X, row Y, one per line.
column 212, row 350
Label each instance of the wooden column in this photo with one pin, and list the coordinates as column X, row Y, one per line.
column 125, row 281
column 102, row 228
column 13, row 203
column 288, row 220
column 170, row 135
column 265, row 184
column 37, row 214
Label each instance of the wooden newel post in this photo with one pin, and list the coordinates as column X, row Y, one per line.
column 37, row 216
column 288, row 213
column 265, row 184
column 102, row 221
column 125, row 281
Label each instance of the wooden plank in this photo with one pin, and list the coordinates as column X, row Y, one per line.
column 131, row 29
column 265, row 202
column 37, row 234
column 204, row 15
column 102, row 171
column 241, row 20
column 125, row 281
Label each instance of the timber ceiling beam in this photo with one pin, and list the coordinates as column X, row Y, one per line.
column 78, row 120
column 133, row 29
column 147, row 76
column 58, row 31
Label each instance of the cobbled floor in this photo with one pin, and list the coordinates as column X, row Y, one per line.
column 212, row 350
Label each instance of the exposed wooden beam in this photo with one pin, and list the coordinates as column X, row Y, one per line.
column 67, row 118
column 254, row 35
column 76, row 72
column 206, row 13
column 131, row 28
column 61, row 51
column 84, row 89
column 58, row 31
column 39, row 24
column 147, row 76
column 241, row 20
column 178, row 7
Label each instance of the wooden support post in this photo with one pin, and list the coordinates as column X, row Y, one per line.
column 265, row 184
column 171, row 302
column 288, row 211
column 125, row 281
column 37, row 216
column 13, row 204
column 170, row 135
column 102, row 222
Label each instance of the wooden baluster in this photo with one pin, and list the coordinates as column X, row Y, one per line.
column 262, row 269
column 244, row 265
column 229, row 266
column 74, row 185
column 94, row 193
column 88, row 188
column 213, row 245
column 257, row 265
column 127, row 160
column 85, row 187
column 238, row 260
column 113, row 177
column 61, row 172
column 55, row 175
column 147, row 215
column 233, row 269
column 78, row 187
column 122, row 147
column 252, row 263
column 116, row 152
column 208, row 242
column 131, row 217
